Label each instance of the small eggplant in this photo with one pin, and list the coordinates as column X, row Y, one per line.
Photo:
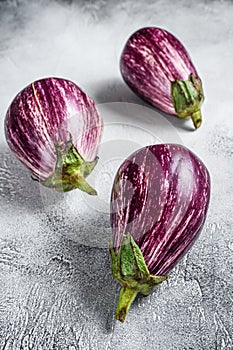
column 159, row 203
column 157, row 67
column 54, row 129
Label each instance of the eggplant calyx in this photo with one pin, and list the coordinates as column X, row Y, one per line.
column 70, row 170
column 187, row 97
column 129, row 268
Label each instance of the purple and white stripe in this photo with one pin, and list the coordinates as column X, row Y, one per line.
column 45, row 113
column 151, row 59
column 160, row 196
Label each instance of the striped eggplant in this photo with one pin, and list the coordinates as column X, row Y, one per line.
column 159, row 202
column 157, row 67
column 54, row 129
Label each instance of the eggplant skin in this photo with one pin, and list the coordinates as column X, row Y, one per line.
column 151, row 60
column 46, row 113
column 160, row 197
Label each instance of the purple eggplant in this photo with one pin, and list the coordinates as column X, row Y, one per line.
column 157, row 67
column 159, row 202
column 54, row 129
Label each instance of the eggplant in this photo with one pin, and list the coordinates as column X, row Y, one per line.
column 54, row 129
column 159, row 203
column 157, row 67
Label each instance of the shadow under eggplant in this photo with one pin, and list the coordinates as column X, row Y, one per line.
column 116, row 90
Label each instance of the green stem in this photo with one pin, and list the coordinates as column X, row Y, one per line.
column 70, row 170
column 197, row 119
column 127, row 296
column 130, row 269
column 187, row 96
column 79, row 182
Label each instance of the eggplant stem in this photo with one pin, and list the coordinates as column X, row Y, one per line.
column 197, row 119
column 80, row 183
column 127, row 296
column 130, row 269
column 187, row 97
column 70, row 170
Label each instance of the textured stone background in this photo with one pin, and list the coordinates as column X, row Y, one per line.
column 56, row 289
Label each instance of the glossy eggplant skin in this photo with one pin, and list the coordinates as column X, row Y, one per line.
column 51, row 123
column 157, row 67
column 160, row 196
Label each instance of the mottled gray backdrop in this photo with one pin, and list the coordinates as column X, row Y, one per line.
column 56, row 289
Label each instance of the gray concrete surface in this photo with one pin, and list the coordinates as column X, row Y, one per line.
column 56, row 289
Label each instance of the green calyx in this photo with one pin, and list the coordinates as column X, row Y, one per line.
column 187, row 97
column 129, row 268
column 70, row 170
